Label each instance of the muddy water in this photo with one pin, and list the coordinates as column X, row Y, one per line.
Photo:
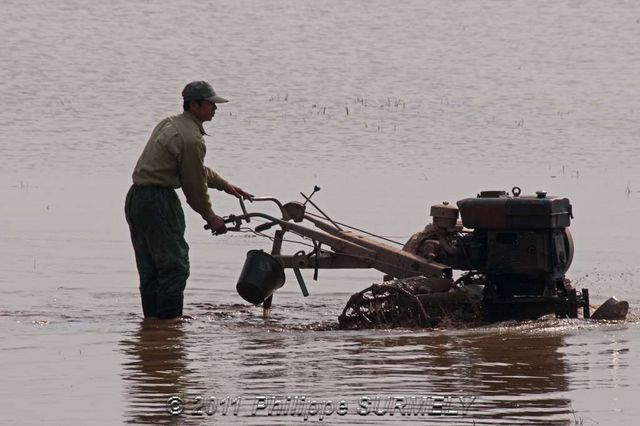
column 388, row 108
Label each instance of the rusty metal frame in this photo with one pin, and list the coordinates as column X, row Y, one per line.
column 349, row 250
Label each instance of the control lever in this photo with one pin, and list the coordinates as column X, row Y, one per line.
column 265, row 226
column 303, row 286
column 244, row 210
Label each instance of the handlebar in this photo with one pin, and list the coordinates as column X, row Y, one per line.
column 245, row 216
column 292, row 211
column 268, row 198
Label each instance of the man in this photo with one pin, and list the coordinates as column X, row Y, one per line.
column 172, row 158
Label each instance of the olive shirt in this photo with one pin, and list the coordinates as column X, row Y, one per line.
column 174, row 158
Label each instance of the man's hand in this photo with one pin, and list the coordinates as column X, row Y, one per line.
column 216, row 224
column 237, row 192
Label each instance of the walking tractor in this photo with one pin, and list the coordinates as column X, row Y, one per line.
column 496, row 256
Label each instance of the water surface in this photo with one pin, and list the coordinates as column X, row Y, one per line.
column 389, row 108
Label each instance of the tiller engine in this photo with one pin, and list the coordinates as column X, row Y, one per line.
column 519, row 247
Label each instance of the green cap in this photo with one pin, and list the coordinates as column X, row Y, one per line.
column 201, row 91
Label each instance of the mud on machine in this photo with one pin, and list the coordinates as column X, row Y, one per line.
column 510, row 253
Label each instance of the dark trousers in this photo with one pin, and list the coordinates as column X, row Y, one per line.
column 156, row 222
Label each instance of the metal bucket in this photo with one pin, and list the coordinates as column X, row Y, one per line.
column 261, row 275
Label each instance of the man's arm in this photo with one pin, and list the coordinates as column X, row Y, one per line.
column 193, row 179
column 214, row 180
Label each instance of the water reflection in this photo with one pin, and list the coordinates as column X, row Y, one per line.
column 514, row 375
column 519, row 373
column 155, row 368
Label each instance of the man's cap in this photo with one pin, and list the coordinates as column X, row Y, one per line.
column 201, row 91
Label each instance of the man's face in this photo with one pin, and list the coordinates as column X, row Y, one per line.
column 204, row 110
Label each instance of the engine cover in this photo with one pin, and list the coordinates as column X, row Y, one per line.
column 498, row 210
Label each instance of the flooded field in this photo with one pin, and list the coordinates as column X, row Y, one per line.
column 387, row 107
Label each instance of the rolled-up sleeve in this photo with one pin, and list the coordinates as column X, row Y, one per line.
column 194, row 177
